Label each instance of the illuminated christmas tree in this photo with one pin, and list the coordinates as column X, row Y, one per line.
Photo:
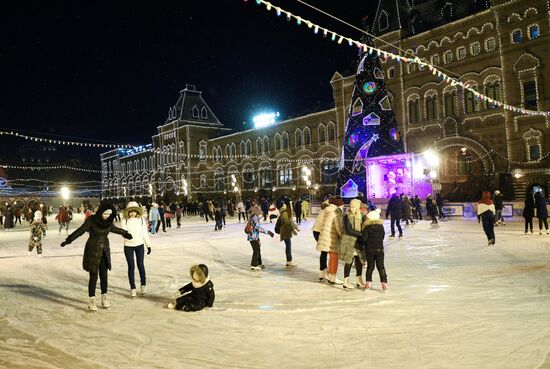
column 371, row 129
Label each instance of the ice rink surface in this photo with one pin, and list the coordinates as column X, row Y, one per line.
column 453, row 302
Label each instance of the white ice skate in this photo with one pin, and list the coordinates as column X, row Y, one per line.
column 91, row 304
column 347, row 284
column 143, row 290
column 104, row 302
column 290, row 265
column 359, row 282
column 133, row 292
column 334, row 280
column 323, row 276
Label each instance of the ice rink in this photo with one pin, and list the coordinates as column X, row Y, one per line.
column 453, row 302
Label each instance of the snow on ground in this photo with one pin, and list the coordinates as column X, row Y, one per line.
column 453, row 303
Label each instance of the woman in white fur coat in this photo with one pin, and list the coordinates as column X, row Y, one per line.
column 329, row 238
column 137, row 227
column 317, row 227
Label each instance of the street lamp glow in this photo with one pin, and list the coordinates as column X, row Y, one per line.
column 266, row 119
column 431, row 157
column 65, row 193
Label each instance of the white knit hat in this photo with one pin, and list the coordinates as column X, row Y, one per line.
column 38, row 215
column 374, row 215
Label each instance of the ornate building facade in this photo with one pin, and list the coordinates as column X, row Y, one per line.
column 498, row 47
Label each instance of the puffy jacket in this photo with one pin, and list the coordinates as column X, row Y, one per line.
column 329, row 238
column 395, row 208
column 352, row 231
column 318, row 226
column 137, row 227
column 499, row 202
column 540, row 205
column 372, row 236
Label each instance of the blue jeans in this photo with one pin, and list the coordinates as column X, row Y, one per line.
column 288, row 250
column 129, row 253
column 153, row 226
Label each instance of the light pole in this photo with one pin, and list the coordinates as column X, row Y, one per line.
column 65, row 194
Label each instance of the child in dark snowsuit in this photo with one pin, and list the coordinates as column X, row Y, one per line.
column 198, row 294
column 218, row 218
column 372, row 241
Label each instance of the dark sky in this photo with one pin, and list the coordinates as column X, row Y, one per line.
column 110, row 70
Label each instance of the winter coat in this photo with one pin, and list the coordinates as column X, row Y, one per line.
column 8, row 219
column 499, row 202
column 98, row 242
column 352, row 231
column 154, row 214
column 298, row 208
column 240, row 207
column 329, row 238
column 431, row 208
column 197, row 296
column 38, row 232
column 372, row 236
column 256, row 229
column 529, row 209
column 395, row 208
column 137, row 227
column 482, row 208
column 540, row 204
column 407, row 208
column 318, row 226
column 288, row 227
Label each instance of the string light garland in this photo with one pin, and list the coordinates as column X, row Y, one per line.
column 61, row 142
column 50, row 167
column 387, row 54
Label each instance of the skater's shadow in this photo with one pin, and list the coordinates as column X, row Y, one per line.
column 43, row 294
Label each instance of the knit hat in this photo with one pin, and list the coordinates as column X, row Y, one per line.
column 256, row 211
column 374, row 215
column 497, row 192
column 38, row 215
column 199, row 272
column 336, row 201
column 155, row 205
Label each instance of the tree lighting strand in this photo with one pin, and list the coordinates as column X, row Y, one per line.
column 61, row 142
column 370, row 49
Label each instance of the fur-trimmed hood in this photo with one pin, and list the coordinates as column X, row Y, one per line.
column 368, row 222
column 98, row 219
column 133, row 206
column 202, row 273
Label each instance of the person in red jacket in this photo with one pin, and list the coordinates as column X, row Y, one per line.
column 63, row 219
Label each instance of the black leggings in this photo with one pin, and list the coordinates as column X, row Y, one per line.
column 256, row 254
column 488, row 222
column 545, row 221
column 378, row 260
column 102, row 272
column 529, row 223
column 358, row 267
column 324, row 254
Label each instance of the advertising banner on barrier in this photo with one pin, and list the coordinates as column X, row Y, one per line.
column 508, row 210
column 453, row 210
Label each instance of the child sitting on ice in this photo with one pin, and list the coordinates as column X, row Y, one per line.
column 38, row 232
column 198, row 294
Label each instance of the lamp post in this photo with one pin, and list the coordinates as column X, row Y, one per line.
column 65, row 194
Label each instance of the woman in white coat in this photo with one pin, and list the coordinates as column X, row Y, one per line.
column 137, row 227
column 329, row 238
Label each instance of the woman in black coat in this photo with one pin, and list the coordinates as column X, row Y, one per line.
column 8, row 221
column 97, row 254
column 529, row 211
column 542, row 211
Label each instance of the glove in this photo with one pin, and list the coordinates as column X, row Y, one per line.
column 270, row 233
column 127, row 235
column 148, row 250
column 64, row 243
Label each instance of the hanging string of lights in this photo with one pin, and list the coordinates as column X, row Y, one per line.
column 48, row 167
column 436, row 71
column 60, row 141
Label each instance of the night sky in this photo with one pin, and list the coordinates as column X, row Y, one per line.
column 110, row 70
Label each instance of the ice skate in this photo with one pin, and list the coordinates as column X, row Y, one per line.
column 255, row 269
column 143, row 290
column 171, row 306
column 347, row 284
column 540, row 232
column 133, row 292
column 334, row 280
column 29, row 253
column 104, row 302
column 261, row 266
column 323, row 275
column 91, row 304
column 368, row 286
column 400, row 236
column 290, row 265
column 384, row 286
column 359, row 282
column 391, row 237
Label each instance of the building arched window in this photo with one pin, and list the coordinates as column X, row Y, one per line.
column 242, row 147
column 414, row 110
column 331, row 128
column 259, row 146
column 284, row 170
column 431, row 106
column 534, row 32
column 202, row 181
column 219, row 180
column 298, row 138
column 266, row 145
column 383, row 21
column 204, row 113
column 471, row 102
column 450, row 103
column 307, row 136
column 202, row 150
column 285, row 140
column 248, row 147
column 195, row 112
column 248, row 179
column 233, row 150
column 493, row 90
column 322, row 131
column 278, row 141
column 516, row 36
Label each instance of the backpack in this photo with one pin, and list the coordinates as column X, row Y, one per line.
column 278, row 226
column 248, row 228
